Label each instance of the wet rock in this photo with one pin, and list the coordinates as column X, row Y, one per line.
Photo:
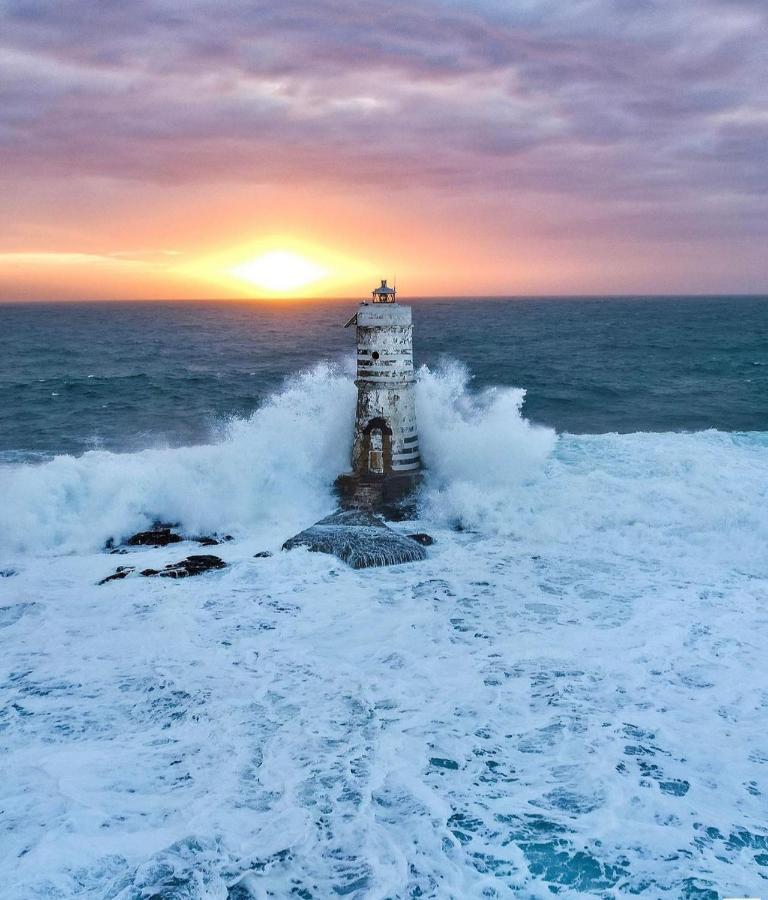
column 211, row 540
column 157, row 536
column 262, row 554
column 7, row 573
column 359, row 538
column 426, row 540
column 192, row 565
column 120, row 572
column 160, row 535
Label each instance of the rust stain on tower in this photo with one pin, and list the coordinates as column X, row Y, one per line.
column 386, row 463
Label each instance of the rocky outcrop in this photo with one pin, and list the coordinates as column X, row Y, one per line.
column 161, row 534
column 360, row 539
column 192, row 565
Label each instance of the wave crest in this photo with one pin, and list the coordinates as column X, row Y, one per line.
column 273, row 471
column 273, row 468
column 479, row 450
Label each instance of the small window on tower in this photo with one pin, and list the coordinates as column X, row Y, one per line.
column 375, row 354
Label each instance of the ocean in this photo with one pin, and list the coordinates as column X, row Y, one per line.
column 567, row 698
column 128, row 376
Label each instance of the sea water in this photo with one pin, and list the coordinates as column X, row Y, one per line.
column 567, row 698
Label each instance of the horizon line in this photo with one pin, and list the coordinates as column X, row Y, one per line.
column 343, row 299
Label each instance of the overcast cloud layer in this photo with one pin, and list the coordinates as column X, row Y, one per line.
column 652, row 114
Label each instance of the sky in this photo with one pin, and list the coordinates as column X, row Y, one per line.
column 238, row 148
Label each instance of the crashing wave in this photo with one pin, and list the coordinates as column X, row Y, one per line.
column 269, row 473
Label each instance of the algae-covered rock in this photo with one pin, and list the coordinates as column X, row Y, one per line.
column 358, row 538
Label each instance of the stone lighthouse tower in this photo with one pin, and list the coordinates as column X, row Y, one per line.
column 385, row 455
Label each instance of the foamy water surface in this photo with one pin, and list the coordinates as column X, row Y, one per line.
column 568, row 697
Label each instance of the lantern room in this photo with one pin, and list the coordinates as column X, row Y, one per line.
column 383, row 294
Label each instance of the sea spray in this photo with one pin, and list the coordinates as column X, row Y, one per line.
column 479, row 450
column 273, row 470
column 488, row 470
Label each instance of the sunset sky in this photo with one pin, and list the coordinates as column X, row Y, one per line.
column 192, row 148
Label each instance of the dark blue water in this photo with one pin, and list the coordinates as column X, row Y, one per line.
column 123, row 376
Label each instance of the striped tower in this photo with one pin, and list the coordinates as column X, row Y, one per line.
column 385, row 454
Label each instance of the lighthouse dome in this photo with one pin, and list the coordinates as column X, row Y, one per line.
column 383, row 293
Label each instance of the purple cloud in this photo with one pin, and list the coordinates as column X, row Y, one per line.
column 649, row 112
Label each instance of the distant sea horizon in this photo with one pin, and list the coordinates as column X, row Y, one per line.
column 403, row 298
column 126, row 375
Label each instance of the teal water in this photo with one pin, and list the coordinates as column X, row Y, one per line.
column 124, row 376
column 563, row 699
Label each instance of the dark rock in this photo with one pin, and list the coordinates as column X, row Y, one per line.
column 7, row 573
column 120, row 572
column 210, row 540
column 262, row 554
column 192, row 565
column 359, row 538
column 157, row 536
column 161, row 534
column 426, row 540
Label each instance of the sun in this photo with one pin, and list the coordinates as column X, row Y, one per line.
column 279, row 271
column 277, row 266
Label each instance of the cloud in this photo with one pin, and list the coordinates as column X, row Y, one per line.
column 627, row 106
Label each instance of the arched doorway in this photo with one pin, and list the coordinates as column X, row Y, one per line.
column 377, row 447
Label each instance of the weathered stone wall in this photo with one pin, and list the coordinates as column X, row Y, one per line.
column 385, row 383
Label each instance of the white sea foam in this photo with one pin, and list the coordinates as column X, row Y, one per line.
column 568, row 694
column 273, row 469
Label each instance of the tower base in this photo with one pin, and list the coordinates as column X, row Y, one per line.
column 393, row 496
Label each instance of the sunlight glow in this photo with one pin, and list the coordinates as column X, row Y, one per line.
column 279, row 271
column 277, row 266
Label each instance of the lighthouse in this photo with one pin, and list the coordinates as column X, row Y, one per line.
column 385, row 454
column 386, row 465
